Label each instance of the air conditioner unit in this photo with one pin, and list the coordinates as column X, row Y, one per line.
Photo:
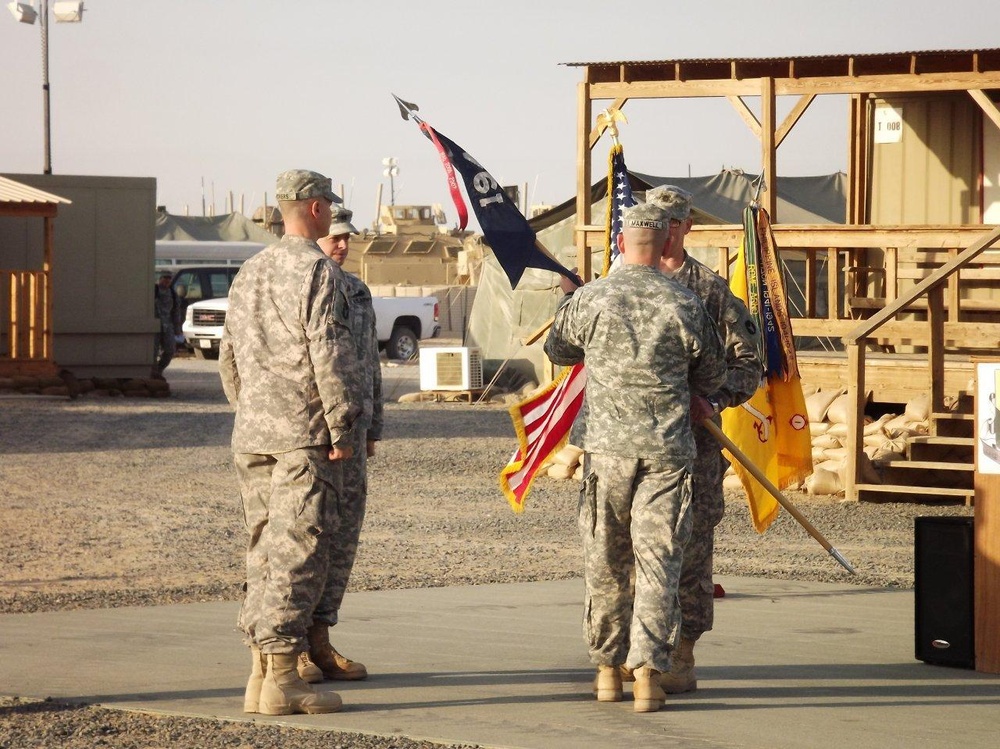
column 451, row 368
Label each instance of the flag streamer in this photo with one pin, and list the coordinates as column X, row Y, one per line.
column 449, row 170
column 772, row 427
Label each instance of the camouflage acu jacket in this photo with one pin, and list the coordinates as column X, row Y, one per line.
column 647, row 343
column 363, row 330
column 739, row 332
column 287, row 359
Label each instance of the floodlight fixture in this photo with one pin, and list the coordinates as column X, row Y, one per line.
column 64, row 12
column 22, row 12
column 68, row 12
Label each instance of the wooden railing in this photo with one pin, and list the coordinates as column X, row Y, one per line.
column 25, row 327
column 933, row 287
column 857, row 283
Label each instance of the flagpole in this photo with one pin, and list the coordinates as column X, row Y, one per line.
column 775, row 492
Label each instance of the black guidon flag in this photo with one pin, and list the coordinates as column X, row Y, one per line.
column 505, row 228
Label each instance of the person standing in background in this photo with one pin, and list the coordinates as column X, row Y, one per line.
column 288, row 365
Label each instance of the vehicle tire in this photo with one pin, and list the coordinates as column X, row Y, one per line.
column 212, row 353
column 403, row 344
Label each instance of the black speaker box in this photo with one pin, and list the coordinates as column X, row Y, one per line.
column 943, row 591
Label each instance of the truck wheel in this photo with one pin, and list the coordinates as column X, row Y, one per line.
column 402, row 344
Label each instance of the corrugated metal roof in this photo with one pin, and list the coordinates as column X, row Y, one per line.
column 706, row 60
column 18, row 192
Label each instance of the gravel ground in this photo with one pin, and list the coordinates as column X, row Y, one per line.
column 132, row 502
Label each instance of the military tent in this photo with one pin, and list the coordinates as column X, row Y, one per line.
column 501, row 318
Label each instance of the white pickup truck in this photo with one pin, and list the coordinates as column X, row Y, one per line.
column 400, row 323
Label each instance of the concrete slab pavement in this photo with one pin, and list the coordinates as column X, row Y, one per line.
column 790, row 664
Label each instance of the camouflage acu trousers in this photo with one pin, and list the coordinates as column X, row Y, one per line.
column 285, row 498
column 697, row 588
column 344, row 518
column 633, row 515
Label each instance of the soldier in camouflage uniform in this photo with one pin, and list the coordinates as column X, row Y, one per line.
column 326, row 661
column 289, row 366
column 648, row 345
column 740, row 337
column 167, row 307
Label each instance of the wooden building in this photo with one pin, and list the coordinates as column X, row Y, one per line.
column 26, row 292
column 913, row 278
column 908, row 291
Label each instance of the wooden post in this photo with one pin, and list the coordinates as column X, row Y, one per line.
column 935, row 347
column 986, row 531
column 47, row 346
column 855, row 416
column 833, row 295
column 583, row 179
column 768, row 149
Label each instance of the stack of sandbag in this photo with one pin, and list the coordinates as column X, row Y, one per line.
column 885, row 439
column 567, row 463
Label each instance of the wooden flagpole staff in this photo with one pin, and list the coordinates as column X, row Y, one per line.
column 775, row 492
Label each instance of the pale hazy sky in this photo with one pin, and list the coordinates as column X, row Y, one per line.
column 235, row 91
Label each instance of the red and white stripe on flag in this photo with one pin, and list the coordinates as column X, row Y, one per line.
column 542, row 422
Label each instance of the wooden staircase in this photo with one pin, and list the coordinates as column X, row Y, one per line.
column 939, row 467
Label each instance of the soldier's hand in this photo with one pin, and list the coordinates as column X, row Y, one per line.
column 340, row 453
column 371, row 448
column 701, row 409
column 568, row 286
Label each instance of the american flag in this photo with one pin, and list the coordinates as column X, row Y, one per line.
column 542, row 422
column 619, row 198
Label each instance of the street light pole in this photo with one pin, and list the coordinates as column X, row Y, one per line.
column 65, row 12
column 45, row 85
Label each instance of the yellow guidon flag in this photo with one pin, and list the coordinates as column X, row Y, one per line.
column 772, row 428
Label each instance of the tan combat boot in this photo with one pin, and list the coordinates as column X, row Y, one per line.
column 647, row 693
column 333, row 664
column 283, row 691
column 252, row 695
column 308, row 670
column 608, row 684
column 680, row 678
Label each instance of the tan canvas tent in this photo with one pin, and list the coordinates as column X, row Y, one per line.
column 502, row 317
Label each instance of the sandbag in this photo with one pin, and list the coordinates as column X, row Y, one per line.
column 839, row 431
column 899, row 423
column 839, row 408
column 569, row 455
column 578, row 473
column 808, row 390
column 558, row 471
column 836, row 453
column 826, row 440
column 822, row 481
column 817, row 428
column 874, row 427
column 731, row 481
column 818, row 403
column 919, row 409
column 875, row 439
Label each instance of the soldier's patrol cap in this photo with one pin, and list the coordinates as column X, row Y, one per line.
column 301, row 184
column 645, row 216
column 674, row 200
column 340, row 222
